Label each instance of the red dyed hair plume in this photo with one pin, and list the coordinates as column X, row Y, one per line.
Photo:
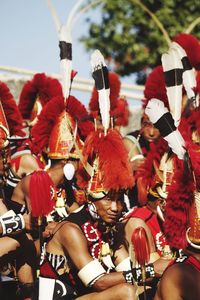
column 191, row 46
column 41, row 86
column 41, row 131
column 121, row 113
column 155, row 87
column 41, row 199
column 141, row 246
column 113, row 159
column 13, row 115
column 178, row 204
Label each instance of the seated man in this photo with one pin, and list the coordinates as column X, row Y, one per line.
column 85, row 258
column 138, row 144
column 182, row 230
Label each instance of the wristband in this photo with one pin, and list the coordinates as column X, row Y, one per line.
column 148, row 273
column 136, row 274
column 128, row 276
column 11, row 222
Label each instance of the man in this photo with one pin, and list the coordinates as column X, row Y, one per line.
column 143, row 142
column 86, row 249
column 180, row 279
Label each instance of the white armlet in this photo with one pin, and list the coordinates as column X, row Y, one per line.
column 91, row 272
column 124, row 265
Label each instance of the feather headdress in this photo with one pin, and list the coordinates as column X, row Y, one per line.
column 65, row 45
column 100, row 75
column 162, row 119
column 189, row 80
column 13, row 115
column 191, row 46
column 109, row 158
column 37, row 91
column 173, row 70
column 155, row 87
column 119, row 110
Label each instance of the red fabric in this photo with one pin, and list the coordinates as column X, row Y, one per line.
column 15, row 162
column 190, row 260
column 194, row 262
column 40, row 193
column 46, row 270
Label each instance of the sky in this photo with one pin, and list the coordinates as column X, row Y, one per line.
column 29, row 39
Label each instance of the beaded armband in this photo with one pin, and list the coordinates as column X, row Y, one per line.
column 11, row 222
column 129, row 277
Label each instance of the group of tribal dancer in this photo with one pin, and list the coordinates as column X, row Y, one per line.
column 89, row 213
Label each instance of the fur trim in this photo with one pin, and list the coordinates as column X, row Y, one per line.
column 191, row 46
column 40, row 86
column 12, row 113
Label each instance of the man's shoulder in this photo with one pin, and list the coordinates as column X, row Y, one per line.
column 79, row 216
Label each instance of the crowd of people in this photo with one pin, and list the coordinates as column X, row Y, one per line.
column 67, row 173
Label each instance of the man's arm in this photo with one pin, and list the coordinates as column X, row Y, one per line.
column 75, row 244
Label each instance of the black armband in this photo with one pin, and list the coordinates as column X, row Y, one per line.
column 65, row 50
column 165, row 124
column 98, row 76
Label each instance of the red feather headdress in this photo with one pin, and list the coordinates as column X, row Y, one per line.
column 56, row 126
column 47, row 119
column 109, row 159
column 181, row 201
column 192, row 47
column 155, row 87
column 41, row 87
column 13, row 115
column 80, row 114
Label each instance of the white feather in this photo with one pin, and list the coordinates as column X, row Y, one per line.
column 155, row 109
column 97, row 62
column 64, row 35
column 171, row 60
column 189, row 80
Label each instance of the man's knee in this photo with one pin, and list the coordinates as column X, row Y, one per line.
column 127, row 291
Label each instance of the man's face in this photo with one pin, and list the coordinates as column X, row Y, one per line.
column 150, row 133
column 109, row 208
